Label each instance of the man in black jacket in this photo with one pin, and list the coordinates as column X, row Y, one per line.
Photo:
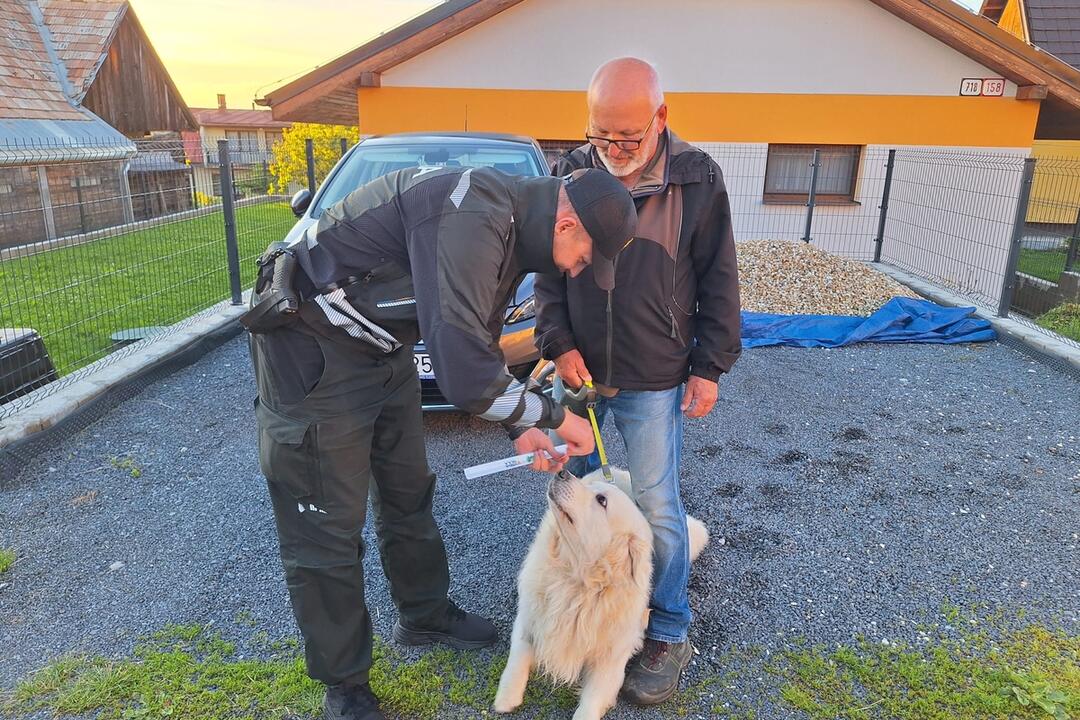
column 435, row 252
column 673, row 318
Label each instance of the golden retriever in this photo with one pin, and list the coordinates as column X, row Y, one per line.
column 583, row 592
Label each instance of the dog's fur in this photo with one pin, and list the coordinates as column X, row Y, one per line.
column 583, row 592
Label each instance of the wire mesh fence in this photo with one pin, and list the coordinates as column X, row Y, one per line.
column 105, row 248
column 99, row 252
column 998, row 228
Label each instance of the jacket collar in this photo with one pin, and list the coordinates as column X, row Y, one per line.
column 676, row 162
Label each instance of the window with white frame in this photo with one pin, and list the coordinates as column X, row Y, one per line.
column 789, row 169
column 242, row 140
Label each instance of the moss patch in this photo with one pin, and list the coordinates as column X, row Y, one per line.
column 7, row 559
column 1064, row 320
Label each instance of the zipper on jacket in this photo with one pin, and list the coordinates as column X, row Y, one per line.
column 610, row 337
column 675, row 334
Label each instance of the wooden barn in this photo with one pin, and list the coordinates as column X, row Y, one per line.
column 81, row 82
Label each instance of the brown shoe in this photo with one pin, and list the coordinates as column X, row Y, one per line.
column 653, row 674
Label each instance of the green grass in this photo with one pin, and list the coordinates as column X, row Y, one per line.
column 1045, row 264
column 77, row 297
column 190, row 672
column 1064, row 320
column 1028, row 672
column 7, row 559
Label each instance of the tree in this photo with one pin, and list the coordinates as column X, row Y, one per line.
column 290, row 157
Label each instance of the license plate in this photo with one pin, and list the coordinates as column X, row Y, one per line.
column 423, row 366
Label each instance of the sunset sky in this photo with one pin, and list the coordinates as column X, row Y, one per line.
column 248, row 47
column 245, row 48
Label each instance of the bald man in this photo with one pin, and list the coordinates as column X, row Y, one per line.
column 658, row 343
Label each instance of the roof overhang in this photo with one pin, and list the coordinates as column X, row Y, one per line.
column 983, row 41
column 38, row 142
column 329, row 93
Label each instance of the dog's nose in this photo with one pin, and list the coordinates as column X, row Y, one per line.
column 563, row 476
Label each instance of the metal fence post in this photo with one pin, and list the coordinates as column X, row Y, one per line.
column 344, row 146
column 1009, row 284
column 812, row 200
column 231, row 247
column 884, row 206
column 46, row 203
column 309, row 150
column 1074, row 245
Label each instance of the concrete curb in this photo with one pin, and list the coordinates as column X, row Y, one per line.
column 140, row 358
column 1038, row 340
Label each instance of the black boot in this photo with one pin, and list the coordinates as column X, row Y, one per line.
column 459, row 629
column 351, row 702
column 653, row 674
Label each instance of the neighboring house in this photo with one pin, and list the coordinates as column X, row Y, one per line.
column 759, row 84
column 1053, row 26
column 252, row 135
column 80, row 79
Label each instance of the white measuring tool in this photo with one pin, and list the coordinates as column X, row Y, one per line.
column 505, row 464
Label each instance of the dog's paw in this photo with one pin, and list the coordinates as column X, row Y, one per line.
column 505, row 705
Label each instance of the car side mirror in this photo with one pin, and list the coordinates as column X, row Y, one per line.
column 300, row 202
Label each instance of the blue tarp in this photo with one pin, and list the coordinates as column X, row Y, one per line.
column 901, row 320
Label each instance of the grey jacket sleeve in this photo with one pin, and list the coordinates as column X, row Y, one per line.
column 717, row 324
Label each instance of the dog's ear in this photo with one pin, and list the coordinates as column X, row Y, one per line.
column 639, row 556
column 630, row 556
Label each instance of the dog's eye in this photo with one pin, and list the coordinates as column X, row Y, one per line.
column 602, row 500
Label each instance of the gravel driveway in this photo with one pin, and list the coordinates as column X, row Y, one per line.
column 850, row 491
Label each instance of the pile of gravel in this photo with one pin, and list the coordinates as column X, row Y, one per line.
column 796, row 278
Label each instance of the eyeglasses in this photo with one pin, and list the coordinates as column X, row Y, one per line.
column 604, row 143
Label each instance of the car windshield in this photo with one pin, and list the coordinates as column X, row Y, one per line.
column 367, row 163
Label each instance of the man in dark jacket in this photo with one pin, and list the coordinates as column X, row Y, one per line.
column 673, row 318
column 435, row 252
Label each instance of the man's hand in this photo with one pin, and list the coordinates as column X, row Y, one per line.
column 535, row 440
column 578, row 434
column 700, row 397
column 575, row 431
column 570, row 366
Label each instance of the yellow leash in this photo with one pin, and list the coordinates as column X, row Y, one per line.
column 596, row 434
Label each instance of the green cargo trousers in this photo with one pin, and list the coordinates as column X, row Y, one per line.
column 336, row 423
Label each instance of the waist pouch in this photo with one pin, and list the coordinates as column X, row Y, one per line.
column 385, row 296
column 377, row 308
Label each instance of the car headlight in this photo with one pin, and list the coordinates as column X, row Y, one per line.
column 525, row 311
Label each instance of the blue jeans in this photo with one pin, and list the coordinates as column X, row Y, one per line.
column 650, row 424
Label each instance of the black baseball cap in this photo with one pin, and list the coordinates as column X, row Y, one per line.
column 606, row 210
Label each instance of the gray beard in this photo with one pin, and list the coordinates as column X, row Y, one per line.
column 624, row 170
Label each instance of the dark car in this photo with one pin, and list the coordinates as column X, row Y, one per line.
column 375, row 156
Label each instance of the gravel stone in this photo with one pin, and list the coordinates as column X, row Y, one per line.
column 841, row 502
column 796, row 278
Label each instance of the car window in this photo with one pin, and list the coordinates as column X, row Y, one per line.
column 365, row 164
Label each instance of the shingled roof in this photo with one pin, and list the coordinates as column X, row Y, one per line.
column 51, row 54
column 33, row 84
column 1054, row 26
column 81, row 31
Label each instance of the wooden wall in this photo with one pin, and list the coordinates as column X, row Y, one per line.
column 132, row 91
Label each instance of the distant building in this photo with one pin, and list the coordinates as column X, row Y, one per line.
column 252, row 135
column 1053, row 26
column 80, row 82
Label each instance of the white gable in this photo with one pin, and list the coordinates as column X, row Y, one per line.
column 729, row 46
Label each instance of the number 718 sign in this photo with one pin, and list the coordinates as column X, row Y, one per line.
column 986, row 87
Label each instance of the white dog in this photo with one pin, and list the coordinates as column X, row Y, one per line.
column 583, row 592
